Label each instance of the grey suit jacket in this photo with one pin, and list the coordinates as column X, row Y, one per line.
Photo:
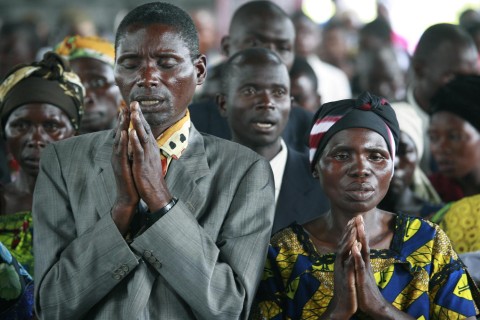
column 202, row 260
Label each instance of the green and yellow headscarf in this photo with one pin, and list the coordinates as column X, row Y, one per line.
column 87, row 47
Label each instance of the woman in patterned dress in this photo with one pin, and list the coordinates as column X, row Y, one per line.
column 357, row 261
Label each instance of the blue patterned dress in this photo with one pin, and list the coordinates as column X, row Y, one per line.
column 419, row 274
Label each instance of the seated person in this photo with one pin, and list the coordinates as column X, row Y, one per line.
column 357, row 261
column 257, row 24
column 92, row 59
column 39, row 103
column 410, row 190
column 304, row 84
column 454, row 134
column 256, row 101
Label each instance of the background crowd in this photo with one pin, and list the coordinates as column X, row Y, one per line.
column 434, row 91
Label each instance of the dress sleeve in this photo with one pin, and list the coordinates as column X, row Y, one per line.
column 453, row 294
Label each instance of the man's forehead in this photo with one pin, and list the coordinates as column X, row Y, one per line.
column 159, row 35
column 273, row 27
column 262, row 74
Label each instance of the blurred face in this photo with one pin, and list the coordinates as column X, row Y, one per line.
column 257, row 104
column 355, row 170
column 304, row 93
column 267, row 31
column 449, row 60
column 455, row 144
column 30, row 128
column 14, row 49
column 334, row 45
column 405, row 163
column 102, row 99
column 385, row 82
column 154, row 67
column 308, row 37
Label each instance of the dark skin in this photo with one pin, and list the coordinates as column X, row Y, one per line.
column 102, row 97
column 157, row 78
column 262, row 28
column 399, row 196
column 29, row 129
column 257, row 105
column 355, row 169
column 450, row 59
column 308, row 37
column 305, row 93
column 455, row 146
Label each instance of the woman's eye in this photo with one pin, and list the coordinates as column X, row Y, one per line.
column 51, row 126
column 340, row 156
column 20, row 125
column 376, row 157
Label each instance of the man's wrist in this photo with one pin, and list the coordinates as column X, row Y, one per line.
column 156, row 215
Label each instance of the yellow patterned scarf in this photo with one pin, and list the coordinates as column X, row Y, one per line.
column 87, row 47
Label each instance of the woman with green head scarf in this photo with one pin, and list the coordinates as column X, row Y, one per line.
column 39, row 103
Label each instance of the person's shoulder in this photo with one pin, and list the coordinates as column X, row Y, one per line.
column 288, row 239
column 229, row 150
column 423, row 230
column 94, row 138
column 81, row 145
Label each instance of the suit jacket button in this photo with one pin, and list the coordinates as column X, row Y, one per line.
column 151, row 259
column 147, row 254
column 125, row 268
column 116, row 276
column 157, row 264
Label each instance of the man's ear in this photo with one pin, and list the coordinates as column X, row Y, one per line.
column 225, row 45
column 201, row 68
column 221, row 101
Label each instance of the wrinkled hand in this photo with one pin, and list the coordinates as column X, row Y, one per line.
column 344, row 302
column 127, row 195
column 146, row 164
column 369, row 297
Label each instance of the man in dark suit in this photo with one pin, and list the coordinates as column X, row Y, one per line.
column 151, row 220
column 256, row 101
column 258, row 24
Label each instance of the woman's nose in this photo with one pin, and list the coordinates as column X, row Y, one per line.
column 38, row 137
column 360, row 167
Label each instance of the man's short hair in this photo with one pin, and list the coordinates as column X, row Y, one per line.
column 162, row 13
column 261, row 56
column 258, row 8
column 302, row 67
column 437, row 35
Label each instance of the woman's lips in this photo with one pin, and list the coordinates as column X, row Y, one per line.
column 360, row 191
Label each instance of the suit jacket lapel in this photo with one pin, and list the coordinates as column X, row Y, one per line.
column 104, row 180
column 183, row 174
